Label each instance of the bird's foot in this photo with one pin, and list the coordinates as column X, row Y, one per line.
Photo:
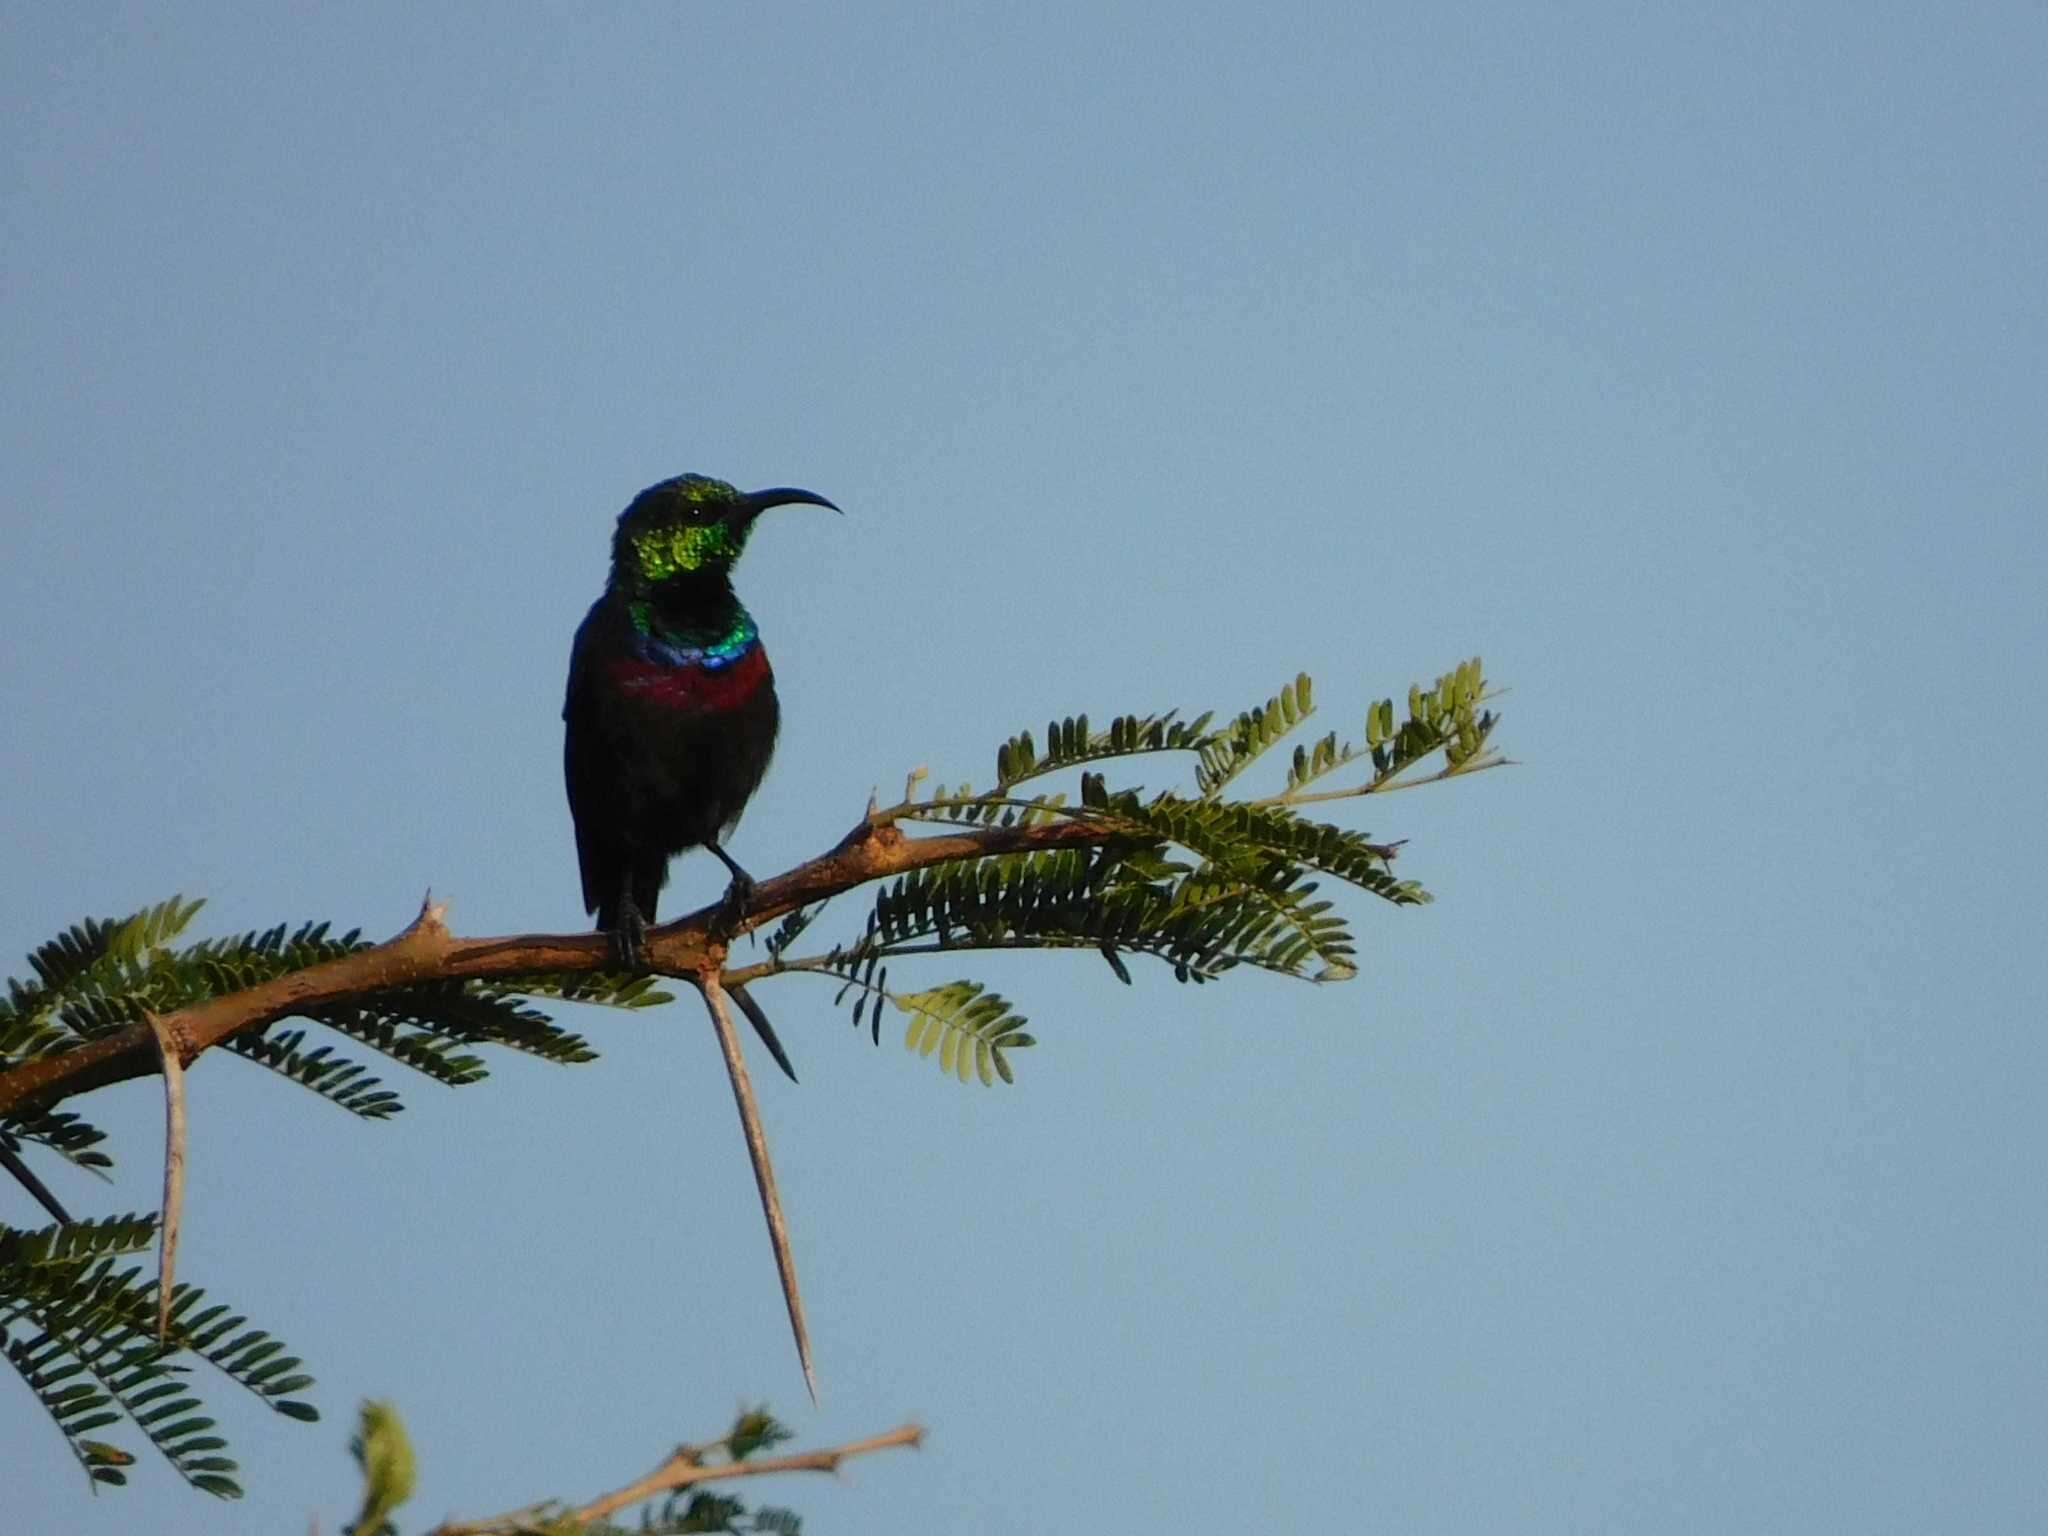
column 733, row 910
column 629, row 938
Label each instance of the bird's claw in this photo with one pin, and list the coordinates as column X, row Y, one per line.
column 733, row 910
column 629, row 938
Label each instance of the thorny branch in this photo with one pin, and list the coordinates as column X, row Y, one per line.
column 426, row 951
column 684, row 1468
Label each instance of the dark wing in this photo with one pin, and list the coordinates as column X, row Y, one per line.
column 588, row 772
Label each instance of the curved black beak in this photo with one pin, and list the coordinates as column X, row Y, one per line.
column 756, row 502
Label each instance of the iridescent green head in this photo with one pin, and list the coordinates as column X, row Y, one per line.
column 688, row 526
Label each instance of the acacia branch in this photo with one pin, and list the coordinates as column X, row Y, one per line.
column 427, row 951
column 683, row 1469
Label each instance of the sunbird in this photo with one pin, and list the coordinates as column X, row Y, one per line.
column 671, row 712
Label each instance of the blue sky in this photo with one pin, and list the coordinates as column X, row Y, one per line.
column 1678, row 1170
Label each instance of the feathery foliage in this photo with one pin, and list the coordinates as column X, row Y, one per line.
column 1069, row 744
column 1228, row 752
column 1200, row 881
column 970, row 1026
column 80, row 1330
column 103, row 975
column 64, row 1133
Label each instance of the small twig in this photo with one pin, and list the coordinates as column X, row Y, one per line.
column 687, row 1467
column 174, row 1169
column 1389, row 784
column 764, row 1172
column 684, row 1468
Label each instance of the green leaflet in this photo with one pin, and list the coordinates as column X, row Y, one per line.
column 80, row 954
column 1070, row 742
column 1446, row 717
column 970, row 1026
column 1229, row 752
column 608, row 989
column 335, row 1078
column 68, row 1135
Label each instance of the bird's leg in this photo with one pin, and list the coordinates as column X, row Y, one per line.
column 739, row 896
column 629, row 933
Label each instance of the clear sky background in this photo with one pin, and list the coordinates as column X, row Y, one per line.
column 1681, row 1169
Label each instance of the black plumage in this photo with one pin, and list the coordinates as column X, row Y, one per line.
column 671, row 714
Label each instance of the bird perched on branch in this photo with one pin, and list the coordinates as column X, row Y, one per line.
column 671, row 712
